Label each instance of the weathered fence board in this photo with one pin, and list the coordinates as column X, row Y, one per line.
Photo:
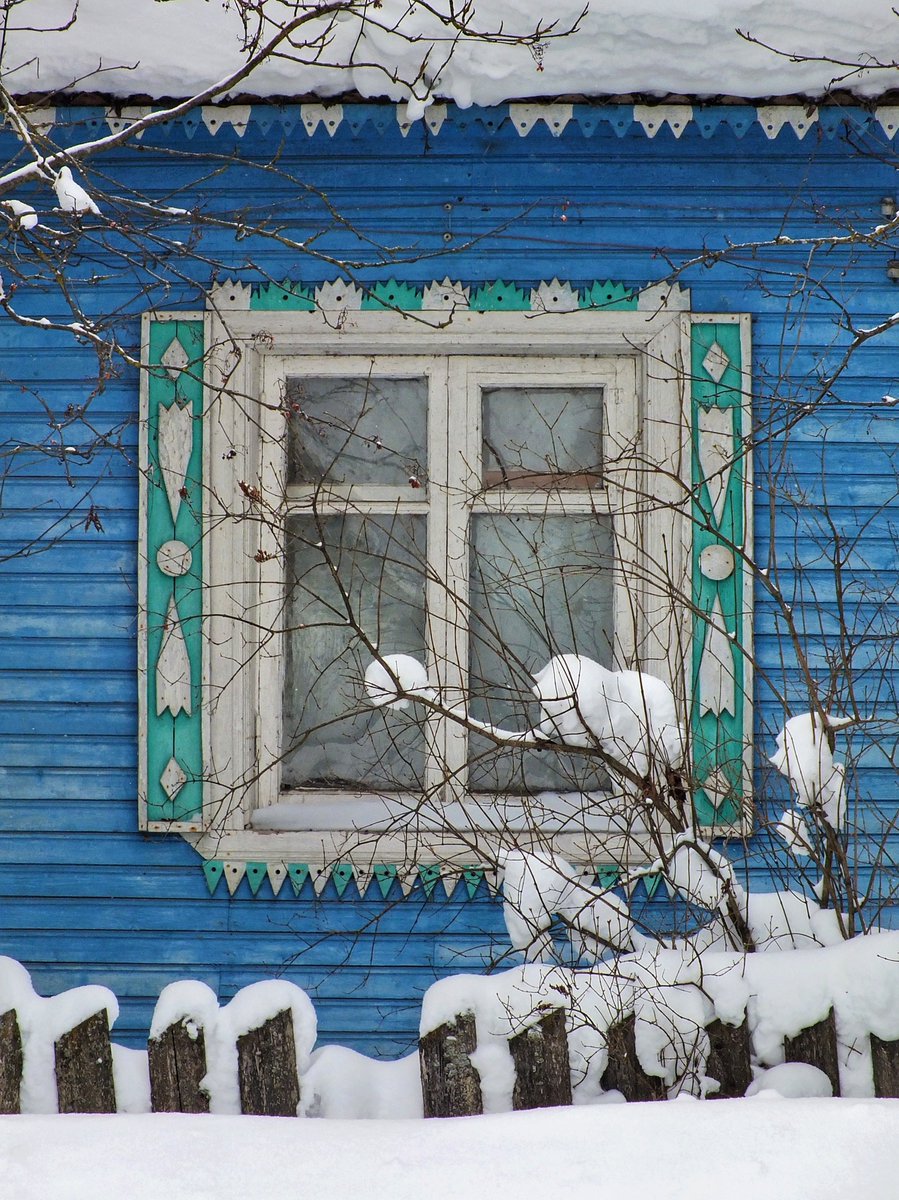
column 885, row 1061
column 177, row 1062
column 624, row 1071
column 84, row 1079
column 817, row 1045
column 267, row 1069
column 729, row 1058
column 450, row 1086
column 542, row 1068
column 11, row 1063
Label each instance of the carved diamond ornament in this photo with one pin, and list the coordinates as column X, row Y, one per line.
column 716, row 361
column 173, row 778
column 174, row 358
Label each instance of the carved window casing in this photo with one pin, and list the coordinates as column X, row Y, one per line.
column 655, row 491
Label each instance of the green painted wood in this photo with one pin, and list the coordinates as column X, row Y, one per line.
column 285, row 295
column 341, row 876
column 385, row 876
column 717, row 739
column 607, row 875
column 393, row 295
column 178, row 736
column 213, row 870
column 298, row 873
column 651, row 884
column 614, row 297
column 500, row 297
column 473, row 877
column 256, row 872
column 429, row 874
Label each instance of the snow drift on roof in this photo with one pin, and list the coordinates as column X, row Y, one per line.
column 653, row 47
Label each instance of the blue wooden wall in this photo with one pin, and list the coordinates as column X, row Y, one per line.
column 83, row 896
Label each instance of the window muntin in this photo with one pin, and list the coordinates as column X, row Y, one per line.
column 556, row 514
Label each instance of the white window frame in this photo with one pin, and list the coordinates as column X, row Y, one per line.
column 250, row 353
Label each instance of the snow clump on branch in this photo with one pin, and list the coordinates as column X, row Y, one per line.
column 71, row 195
column 804, row 756
column 392, row 679
column 631, row 715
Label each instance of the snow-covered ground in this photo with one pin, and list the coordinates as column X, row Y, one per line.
column 758, row 1149
column 648, row 46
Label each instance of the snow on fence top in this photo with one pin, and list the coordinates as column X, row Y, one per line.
column 652, row 47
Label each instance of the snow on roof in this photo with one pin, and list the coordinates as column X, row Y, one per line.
column 648, row 47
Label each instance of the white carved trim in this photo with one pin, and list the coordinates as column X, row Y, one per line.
column 173, row 667
column 174, row 358
column 230, row 294
column 773, row 117
column 173, row 778
column 653, row 116
column 888, row 120
column 445, row 296
column 117, row 121
column 175, row 445
column 337, row 293
column 235, row 115
column 329, row 115
column 716, row 454
column 717, row 682
column 554, row 297
column 434, row 117
column 234, row 872
column 554, row 116
column 277, row 873
column 664, row 297
column 715, row 362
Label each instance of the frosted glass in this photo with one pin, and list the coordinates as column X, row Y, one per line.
column 540, row 585
column 542, row 437
column 332, row 737
column 357, row 431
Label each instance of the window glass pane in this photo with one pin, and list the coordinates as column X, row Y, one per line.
column 357, row 431
column 542, row 437
column 332, row 737
column 540, row 585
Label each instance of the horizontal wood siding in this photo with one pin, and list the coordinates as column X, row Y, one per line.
column 86, row 898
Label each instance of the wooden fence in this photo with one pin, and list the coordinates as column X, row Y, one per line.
column 269, row 1084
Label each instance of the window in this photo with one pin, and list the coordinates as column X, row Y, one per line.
column 479, row 493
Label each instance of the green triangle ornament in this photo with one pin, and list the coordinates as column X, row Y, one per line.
column 213, row 870
column 385, row 874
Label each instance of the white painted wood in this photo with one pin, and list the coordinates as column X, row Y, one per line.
column 446, row 296
column 173, row 667
column 716, row 454
column 654, row 116
column 554, row 297
column 637, row 357
column 175, row 445
column 717, row 677
column 554, row 116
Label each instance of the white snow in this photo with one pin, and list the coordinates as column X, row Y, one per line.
column 537, row 887
column 20, row 215
column 804, row 756
column 759, row 1149
column 192, row 1001
column 42, row 1021
column 630, row 715
column 71, row 195
column 793, row 1081
column 650, row 46
column 393, row 678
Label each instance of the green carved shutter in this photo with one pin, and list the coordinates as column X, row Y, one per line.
column 171, row 574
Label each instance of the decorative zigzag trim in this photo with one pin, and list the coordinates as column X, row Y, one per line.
column 378, row 881
column 447, row 294
column 324, row 120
